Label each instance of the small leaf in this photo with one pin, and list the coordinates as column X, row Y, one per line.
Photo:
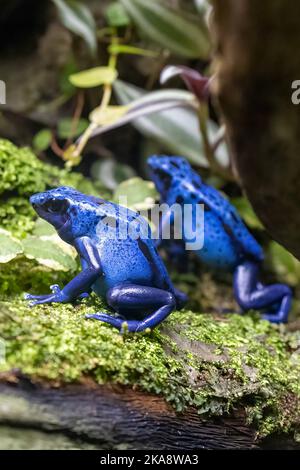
column 170, row 28
column 195, row 82
column 77, row 18
column 10, row 248
column 48, row 251
column 125, row 49
column 116, row 15
column 42, row 140
column 93, row 77
column 65, row 127
column 140, row 194
column 107, row 116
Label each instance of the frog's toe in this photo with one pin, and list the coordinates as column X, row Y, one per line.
column 281, row 316
column 34, row 297
column 116, row 322
column 46, row 300
column 84, row 295
column 55, row 289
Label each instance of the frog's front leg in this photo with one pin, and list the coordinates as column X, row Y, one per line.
column 81, row 284
column 251, row 294
column 135, row 298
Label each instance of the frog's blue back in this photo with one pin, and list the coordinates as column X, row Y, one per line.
column 227, row 241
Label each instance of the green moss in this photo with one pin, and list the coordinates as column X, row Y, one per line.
column 22, row 174
column 213, row 363
column 14, row 278
column 17, row 216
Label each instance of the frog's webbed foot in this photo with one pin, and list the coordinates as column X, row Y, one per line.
column 57, row 295
column 137, row 298
column 250, row 294
column 281, row 313
column 114, row 321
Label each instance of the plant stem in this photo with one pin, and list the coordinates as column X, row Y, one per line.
column 106, row 97
column 209, row 150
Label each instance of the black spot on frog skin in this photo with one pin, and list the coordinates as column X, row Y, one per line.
column 164, row 177
column 234, row 216
column 206, row 207
column 180, row 200
column 145, row 250
column 196, row 184
column 110, row 221
column 73, row 211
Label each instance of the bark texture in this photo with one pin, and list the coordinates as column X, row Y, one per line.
column 111, row 418
column 257, row 59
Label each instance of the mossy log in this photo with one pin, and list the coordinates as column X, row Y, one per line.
column 256, row 61
column 198, row 381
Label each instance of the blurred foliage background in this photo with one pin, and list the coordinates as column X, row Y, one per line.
column 94, row 88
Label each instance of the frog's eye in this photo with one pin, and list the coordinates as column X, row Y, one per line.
column 55, row 206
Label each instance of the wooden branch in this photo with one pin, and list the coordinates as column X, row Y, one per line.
column 112, row 417
column 117, row 417
column 257, row 59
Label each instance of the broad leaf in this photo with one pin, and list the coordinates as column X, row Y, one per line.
column 285, row 265
column 93, row 77
column 177, row 130
column 50, row 252
column 10, row 248
column 170, row 28
column 246, row 212
column 139, row 194
column 43, row 228
column 77, row 18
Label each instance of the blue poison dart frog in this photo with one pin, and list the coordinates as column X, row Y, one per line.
column 122, row 266
column 227, row 243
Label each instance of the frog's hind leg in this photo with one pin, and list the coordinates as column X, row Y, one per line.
column 137, row 298
column 251, row 294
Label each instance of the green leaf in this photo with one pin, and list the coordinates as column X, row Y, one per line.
column 50, row 252
column 139, row 194
column 177, row 129
column 171, row 29
column 116, row 15
column 64, row 127
column 43, row 228
column 246, row 212
column 10, row 248
column 42, row 140
column 285, row 265
column 93, row 77
column 110, row 172
column 125, row 49
column 77, row 18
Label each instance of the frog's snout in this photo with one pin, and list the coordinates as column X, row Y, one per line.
column 36, row 200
